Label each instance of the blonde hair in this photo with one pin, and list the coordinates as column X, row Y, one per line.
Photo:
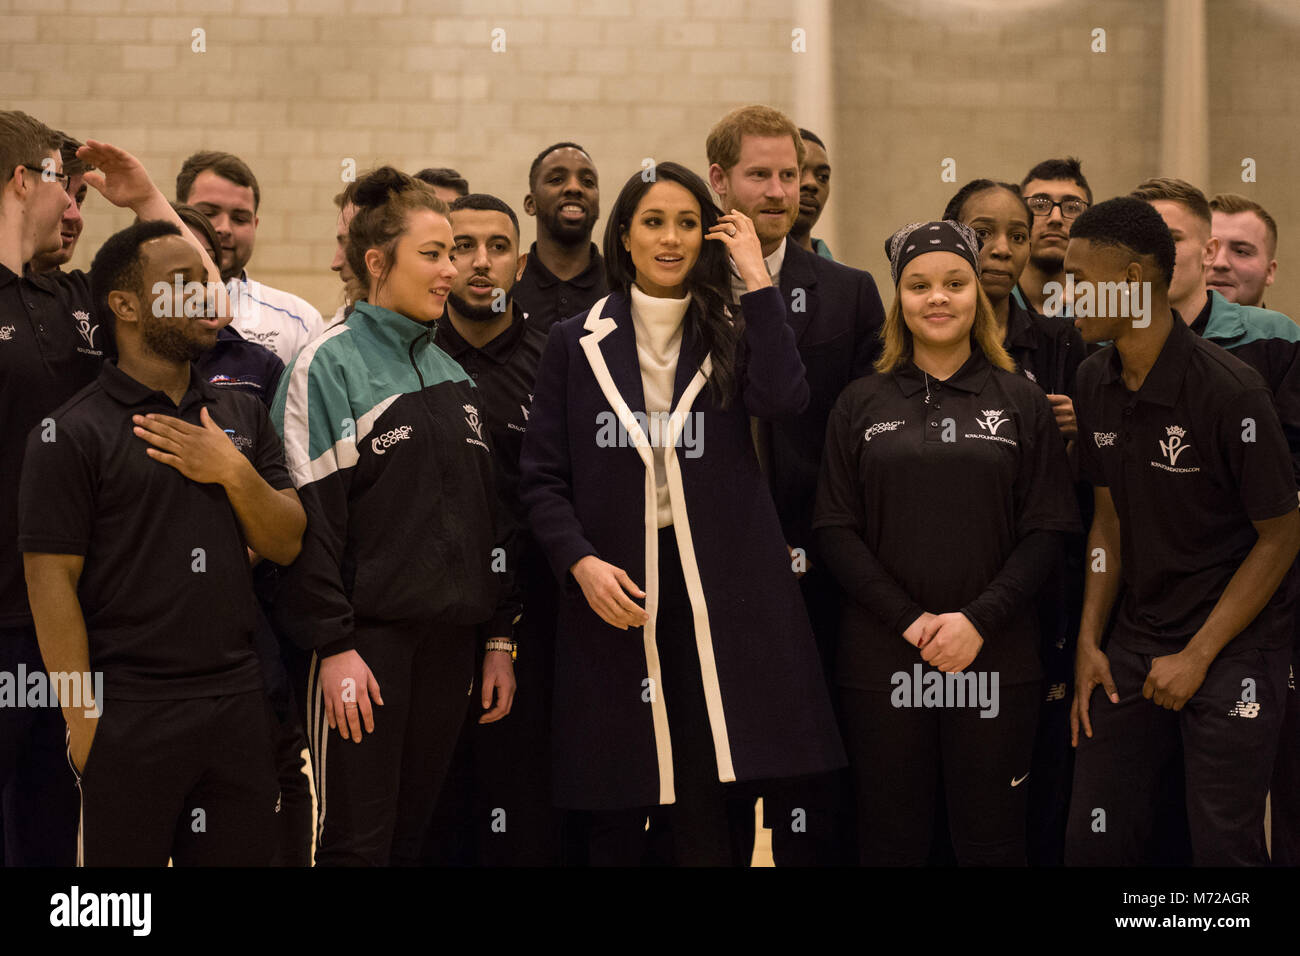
column 723, row 144
column 898, row 337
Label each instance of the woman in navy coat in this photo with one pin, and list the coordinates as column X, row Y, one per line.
column 641, row 482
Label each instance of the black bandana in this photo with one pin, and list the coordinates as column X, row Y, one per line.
column 918, row 238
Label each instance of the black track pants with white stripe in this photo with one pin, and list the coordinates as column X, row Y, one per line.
column 377, row 796
column 193, row 780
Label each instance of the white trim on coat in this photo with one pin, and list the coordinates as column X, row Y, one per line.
column 598, row 327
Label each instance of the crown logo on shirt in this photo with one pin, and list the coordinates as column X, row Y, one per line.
column 85, row 328
column 1174, row 447
column 992, row 420
column 471, row 419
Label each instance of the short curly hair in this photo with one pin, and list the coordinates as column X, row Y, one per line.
column 1131, row 224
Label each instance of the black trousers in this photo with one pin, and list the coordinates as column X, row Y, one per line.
column 193, row 780
column 1226, row 746
column 279, row 661
column 1285, row 789
column 811, row 818
column 377, row 796
column 705, row 826
column 899, row 756
column 38, row 791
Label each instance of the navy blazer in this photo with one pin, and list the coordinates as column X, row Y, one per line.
column 836, row 315
column 769, row 711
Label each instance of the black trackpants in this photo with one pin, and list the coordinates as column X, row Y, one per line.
column 701, row 821
column 898, row 756
column 193, row 780
column 377, row 796
column 1285, row 789
column 1226, row 744
column 40, row 802
column 811, row 818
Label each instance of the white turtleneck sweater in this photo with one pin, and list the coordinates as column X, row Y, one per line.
column 658, row 324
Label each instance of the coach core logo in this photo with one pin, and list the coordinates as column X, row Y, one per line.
column 992, row 421
column 880, row 427
column 85, row 328
column 1104, row 439
column 7, row 332
column 381, row 443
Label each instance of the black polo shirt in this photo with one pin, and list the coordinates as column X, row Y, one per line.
column 166, row 589
column 547, row 299
column 234, row 362
column 941, row 480
column 504, row 370
column 50, row 348
column 1187, row 481
column 1047, row 349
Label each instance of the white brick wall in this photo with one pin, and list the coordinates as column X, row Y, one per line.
column 295, row 86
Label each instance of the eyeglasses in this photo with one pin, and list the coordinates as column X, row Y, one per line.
column 63, row 179
column 1043, row 206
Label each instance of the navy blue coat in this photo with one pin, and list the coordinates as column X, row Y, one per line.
column 769, row 711
column 836, row 315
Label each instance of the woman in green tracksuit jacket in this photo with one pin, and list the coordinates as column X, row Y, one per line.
column 399, row 571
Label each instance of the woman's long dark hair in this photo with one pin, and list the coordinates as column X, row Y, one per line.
column 708, row 282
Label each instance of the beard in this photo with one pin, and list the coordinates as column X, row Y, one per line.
column 476, row 313
column 1050, row 264
column 570, row 233
column 168, row 342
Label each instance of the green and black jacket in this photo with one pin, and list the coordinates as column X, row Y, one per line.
column 385, row 443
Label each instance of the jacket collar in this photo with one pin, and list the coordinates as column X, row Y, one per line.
column 610, row 347
column 798, row 275
column 1020, row 327
column 388, row 326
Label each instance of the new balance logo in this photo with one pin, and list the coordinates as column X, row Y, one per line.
column 381, row 443
column 1056, row 691
column 1245, row 709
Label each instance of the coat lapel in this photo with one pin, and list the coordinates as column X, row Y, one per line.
column 610, row 347
column 798, row 288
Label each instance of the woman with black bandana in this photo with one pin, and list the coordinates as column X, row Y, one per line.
column 1047, row 350
column 937, row 659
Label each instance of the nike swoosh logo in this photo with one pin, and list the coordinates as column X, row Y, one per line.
column 1016, row 783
